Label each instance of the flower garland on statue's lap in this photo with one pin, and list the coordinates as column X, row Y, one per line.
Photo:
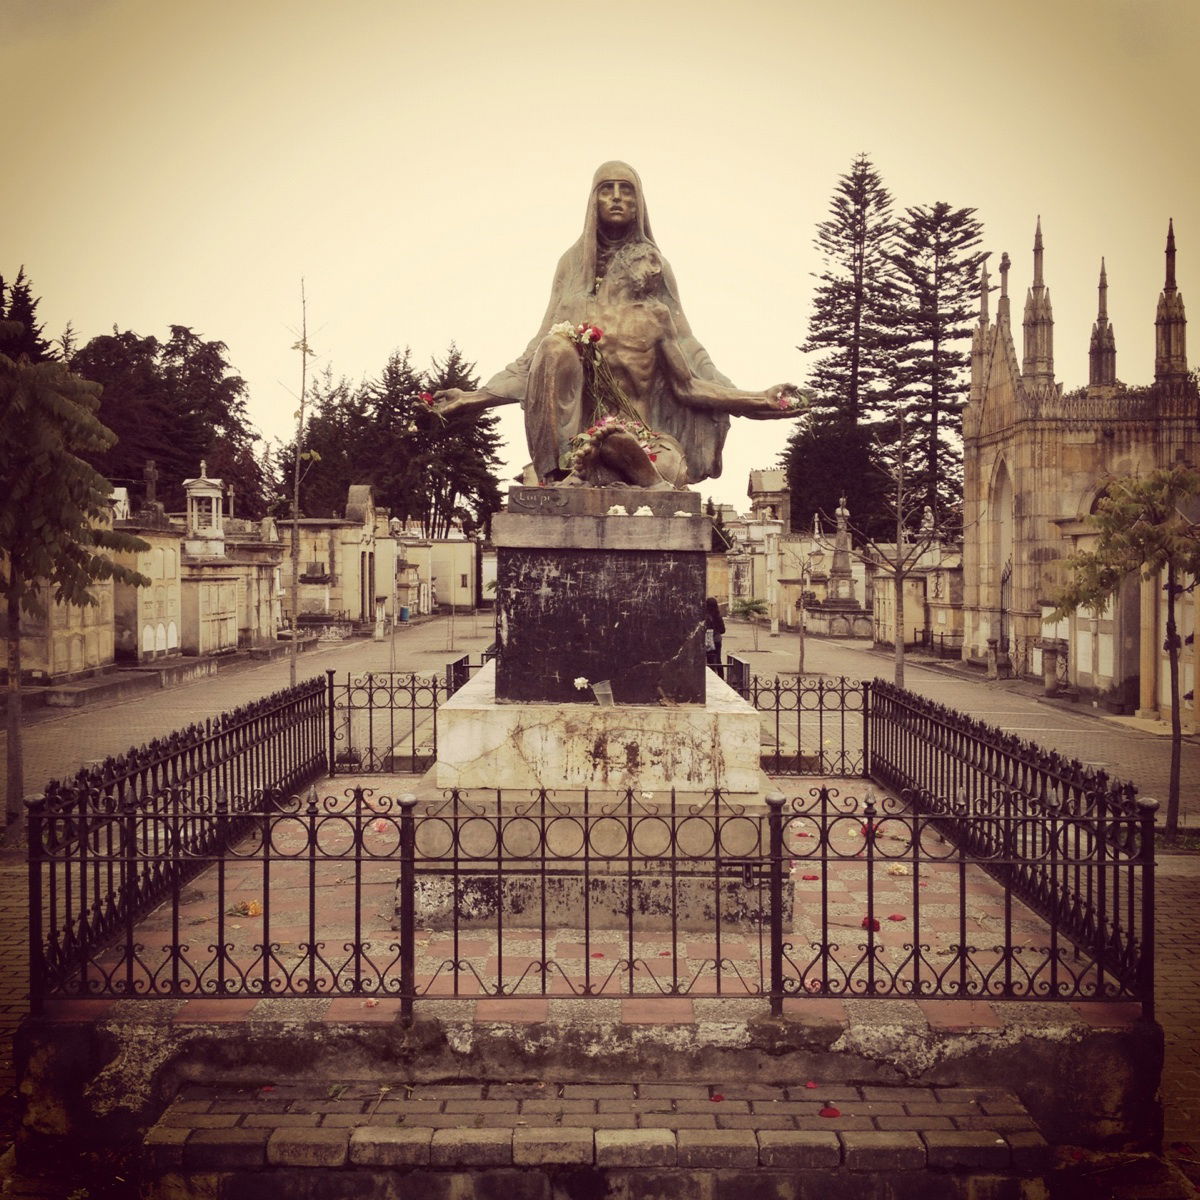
column 612, row 410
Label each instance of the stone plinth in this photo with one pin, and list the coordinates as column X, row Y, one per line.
column 564, row 898
column 565, row 747
column 582, row 593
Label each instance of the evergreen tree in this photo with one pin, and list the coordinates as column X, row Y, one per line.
column 401, row 426
column 20, row 332
column 177, row 402
column 338, row 442
column 459, row 459
column 828, row 458
column 54, row 512
column 939, row 269
column 852, row 327
column 853, row 331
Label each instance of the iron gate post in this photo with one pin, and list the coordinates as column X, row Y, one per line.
column 775, row 803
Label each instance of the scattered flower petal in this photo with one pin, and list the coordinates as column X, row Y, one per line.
column 371, row 1003
column 871, row 923
column 896, row 917
column 810, row 1084
column 810, row 877
column 829, row 1110
column 597, row 953
column 716, row 1096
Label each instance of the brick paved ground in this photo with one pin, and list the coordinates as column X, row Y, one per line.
column 59, row 744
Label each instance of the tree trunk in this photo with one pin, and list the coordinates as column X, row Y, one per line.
column 14, row 807
column 800, row 662
column 1172, row 823
column 898, row 588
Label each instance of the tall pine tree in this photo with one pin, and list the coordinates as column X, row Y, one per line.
column 939, row 268
column 461, row 456
column 853, row 332
column 20, row 332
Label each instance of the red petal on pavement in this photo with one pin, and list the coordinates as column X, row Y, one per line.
column 597, row 953
column 830, row 1111
column 716, row 1096
column 870, row 923
column 810, row 877
column 810, row 1084
column 896, row 917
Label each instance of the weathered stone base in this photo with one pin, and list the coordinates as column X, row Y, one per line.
column 104, row 1083
column 569, row 747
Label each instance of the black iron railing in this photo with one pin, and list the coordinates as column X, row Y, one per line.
column 593, row 896
column 385, row 722
column 1046, row 839
column 938, row 641
column 107, row 845
column 815, row 725
column 919, row 744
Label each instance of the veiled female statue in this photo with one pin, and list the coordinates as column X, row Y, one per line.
column 614, row 297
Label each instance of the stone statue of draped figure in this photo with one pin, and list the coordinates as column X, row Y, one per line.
column 614, row 297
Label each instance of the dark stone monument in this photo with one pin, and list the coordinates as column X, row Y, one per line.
column 587, row 593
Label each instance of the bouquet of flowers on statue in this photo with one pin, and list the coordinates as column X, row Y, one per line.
column 584, row 445
column 581, row 335
column 791, row 399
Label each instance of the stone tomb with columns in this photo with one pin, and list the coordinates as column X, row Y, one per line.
column 599, row 586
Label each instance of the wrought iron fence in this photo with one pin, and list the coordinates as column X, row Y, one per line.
column 108, row 844
column 385, row 722
column 938, row 641
column 813, row 725
column 594, row 896
column 920, row 745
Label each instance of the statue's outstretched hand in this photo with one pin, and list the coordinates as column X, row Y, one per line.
column 449, row 402
column 781, row 402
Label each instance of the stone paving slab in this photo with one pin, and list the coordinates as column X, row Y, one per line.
column 495, row 1124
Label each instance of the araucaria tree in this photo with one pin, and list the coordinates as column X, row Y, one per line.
column 1146, row 524
column 54, row 510
column 938, row 267
column 852, row 331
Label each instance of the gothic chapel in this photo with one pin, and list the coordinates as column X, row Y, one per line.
column 1036, row 461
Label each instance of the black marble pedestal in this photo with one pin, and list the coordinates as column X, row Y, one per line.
column 585, row 593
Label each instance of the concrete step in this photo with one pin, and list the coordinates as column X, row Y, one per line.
column 544, row 1140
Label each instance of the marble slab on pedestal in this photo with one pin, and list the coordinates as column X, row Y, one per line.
column 651, row 747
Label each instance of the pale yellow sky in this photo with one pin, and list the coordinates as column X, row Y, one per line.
column 424, row 165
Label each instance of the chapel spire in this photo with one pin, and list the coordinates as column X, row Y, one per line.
column 1170, row 325
column 1002, row 305
column 1102, row 352
column 1038, row 365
